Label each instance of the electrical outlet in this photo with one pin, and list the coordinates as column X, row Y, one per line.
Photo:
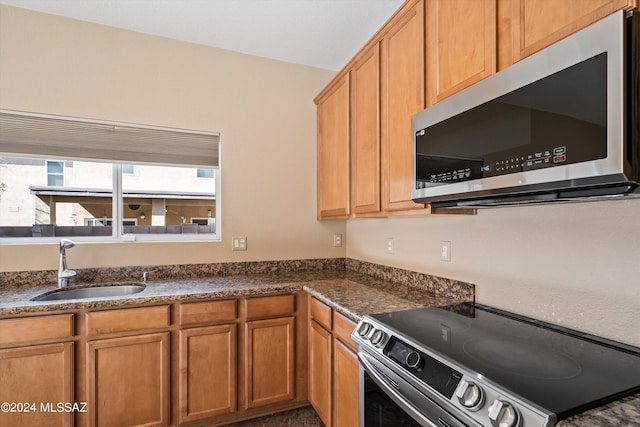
column 445, row 251
column 390, row 245
column 337, row 240
column 239, row 243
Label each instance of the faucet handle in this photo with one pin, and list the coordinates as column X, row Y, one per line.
column 145, row 275
column 66, row 244
column 68, row 273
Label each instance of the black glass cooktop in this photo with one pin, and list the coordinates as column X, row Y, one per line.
column 557, row 369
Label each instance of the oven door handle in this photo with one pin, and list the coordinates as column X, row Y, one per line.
column 393, row 393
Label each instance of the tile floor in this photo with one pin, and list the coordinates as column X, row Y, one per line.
column 303, row 417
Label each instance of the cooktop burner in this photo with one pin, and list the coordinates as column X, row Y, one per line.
column 559, row 370
column 523, row 359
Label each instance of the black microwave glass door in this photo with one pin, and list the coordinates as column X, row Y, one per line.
column 558, row 120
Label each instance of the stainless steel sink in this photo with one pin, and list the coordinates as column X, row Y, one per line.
column 91, row 292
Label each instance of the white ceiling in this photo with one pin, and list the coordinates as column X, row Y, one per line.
column 319, row 33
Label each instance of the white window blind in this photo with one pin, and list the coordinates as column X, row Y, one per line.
column 73, row 138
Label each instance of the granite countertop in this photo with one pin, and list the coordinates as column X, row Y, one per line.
column 621, row 413
column 351, row 293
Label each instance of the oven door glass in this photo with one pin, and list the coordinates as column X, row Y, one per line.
column 380, row 410
column 387, row 399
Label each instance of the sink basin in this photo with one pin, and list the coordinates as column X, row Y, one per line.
column 91, row 292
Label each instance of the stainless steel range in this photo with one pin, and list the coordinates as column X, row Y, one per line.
column 471, row 365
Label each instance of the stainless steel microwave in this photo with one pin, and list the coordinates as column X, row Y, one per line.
column 561, row 124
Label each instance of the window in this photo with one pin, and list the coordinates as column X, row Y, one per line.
column 29, row 208
column 203, row 221
column 146, row 188
column 55, row 173
column 204, row 173
column 167, row 197
column 94, row 222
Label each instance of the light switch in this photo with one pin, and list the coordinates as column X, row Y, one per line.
column 239, row 244
column 445, row 251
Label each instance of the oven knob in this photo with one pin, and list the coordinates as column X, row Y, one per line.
column 364, row 329
column 470, row 395
column 503, row 414
column 413, row 360
column 377, row 338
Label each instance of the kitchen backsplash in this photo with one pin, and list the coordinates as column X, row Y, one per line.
column 21, row 279
column 441, row 287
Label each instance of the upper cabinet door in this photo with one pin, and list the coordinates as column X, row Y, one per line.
column 402, row 65
column 461, row 45
column 365, row 132
column 538, row 23
column 333, row 151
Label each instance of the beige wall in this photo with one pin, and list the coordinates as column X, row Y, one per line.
column 576, row 265
column 263, row 109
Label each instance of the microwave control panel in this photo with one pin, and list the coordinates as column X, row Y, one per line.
column 450, row 169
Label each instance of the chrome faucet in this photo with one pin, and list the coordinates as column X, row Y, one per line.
column 63, row 273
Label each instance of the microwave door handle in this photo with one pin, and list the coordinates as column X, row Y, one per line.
column 393, row 394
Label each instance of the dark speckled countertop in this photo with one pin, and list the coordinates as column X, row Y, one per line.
column 360, row 289
column 351, row 293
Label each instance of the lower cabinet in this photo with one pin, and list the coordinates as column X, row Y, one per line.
column 129, row 381
column 37, row 370
column 210, row 362
column 208, row 370
column 48, row 372
column 207, row 359
column 320, row 345
column 270, row 361
column 239, row 358
column 333, row 366
column 128, row 366
column 345, row 386
column 269, row 350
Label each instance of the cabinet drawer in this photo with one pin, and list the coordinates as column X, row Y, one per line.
column 25, row 329
column 342, row 328
column 128, row 319
column 320, row 312
column 273, row 306
column 208, row 312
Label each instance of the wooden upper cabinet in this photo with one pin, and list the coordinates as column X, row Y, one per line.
column 427, row 51
column 333, row 151
column 529, row 25
column 365, row 132
column 402, row 75
column 460, row 45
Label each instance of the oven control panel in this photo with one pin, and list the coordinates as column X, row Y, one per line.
column 465, row 394
column 431, row 371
